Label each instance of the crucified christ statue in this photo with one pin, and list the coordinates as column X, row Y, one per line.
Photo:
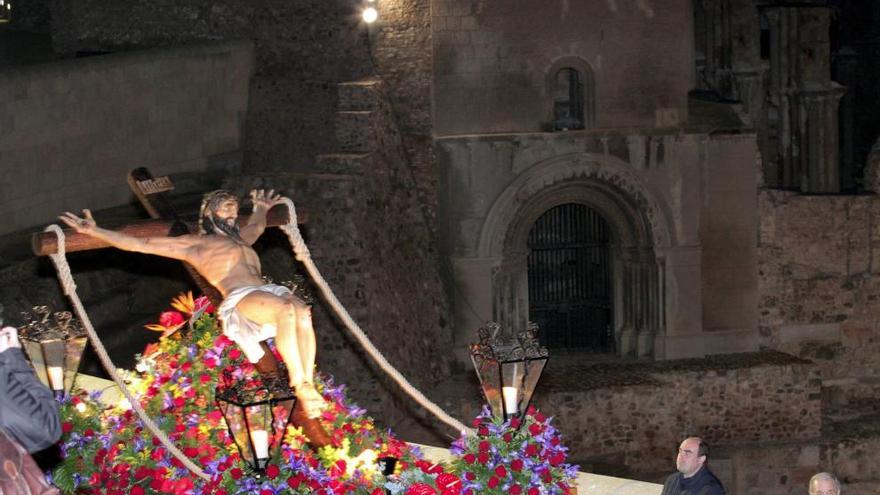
column 252, row 311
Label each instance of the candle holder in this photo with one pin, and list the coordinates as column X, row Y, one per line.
column 257, row 414
column 54, row 345
column 508, row 368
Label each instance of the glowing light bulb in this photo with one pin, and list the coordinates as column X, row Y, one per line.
column 370, row 15
column 80, row 407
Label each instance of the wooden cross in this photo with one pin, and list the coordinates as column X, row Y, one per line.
column 152, row 194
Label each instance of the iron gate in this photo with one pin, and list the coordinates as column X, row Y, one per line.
column 570, row 279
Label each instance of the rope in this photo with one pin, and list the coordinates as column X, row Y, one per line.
column 301, row 251
column 69, row 286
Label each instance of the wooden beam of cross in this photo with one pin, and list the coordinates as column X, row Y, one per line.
column 46, row 243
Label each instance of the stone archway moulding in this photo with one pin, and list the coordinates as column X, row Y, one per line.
column 557, row 171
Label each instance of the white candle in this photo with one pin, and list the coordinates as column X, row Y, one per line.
column 260, row 438
column 56, row 377
column 511, row 405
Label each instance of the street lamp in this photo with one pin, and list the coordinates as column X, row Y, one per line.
column 508, row 368
column 54, row 344
column 257, row 417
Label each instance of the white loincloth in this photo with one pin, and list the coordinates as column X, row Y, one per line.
column 244, row 332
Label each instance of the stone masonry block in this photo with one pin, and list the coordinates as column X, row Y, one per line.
column 355, row 131
column 359, row 95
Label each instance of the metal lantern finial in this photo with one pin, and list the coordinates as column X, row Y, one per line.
column 54, row 344
column 508, row 368
column 257, row 417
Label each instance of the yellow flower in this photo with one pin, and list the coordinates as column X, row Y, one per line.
column 184, row 303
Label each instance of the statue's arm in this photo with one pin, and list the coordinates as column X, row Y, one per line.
column 263, row 202
column 178, row 248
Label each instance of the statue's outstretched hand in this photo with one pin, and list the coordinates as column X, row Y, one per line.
column 83, row 225
column 263, row 199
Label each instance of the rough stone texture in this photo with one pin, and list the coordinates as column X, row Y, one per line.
column 492, row 60
column 769, row 399
column 819, row 286
column 369, row 238
column 302, row 51
column 72, row 130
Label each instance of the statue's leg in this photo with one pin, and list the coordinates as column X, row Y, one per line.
column 284, row 313
column 305, row 338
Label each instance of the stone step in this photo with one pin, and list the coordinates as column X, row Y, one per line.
column 358, row 95
column 355, row 131
column 342, row 163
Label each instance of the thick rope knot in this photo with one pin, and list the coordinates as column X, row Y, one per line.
column 59, row 259
column 291, row 228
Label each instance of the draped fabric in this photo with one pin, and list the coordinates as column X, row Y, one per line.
column 28, row 410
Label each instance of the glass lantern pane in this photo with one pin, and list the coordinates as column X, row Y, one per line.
column 489, row 375
column 73, row 354
column 259, row 419
column 532, row 373
column 235, row 421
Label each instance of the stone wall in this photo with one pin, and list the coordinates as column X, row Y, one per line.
column 73, row 129
column 493, row 60
column 637, row 415
column 302, row 51
column 819, row 286
column 369, row 238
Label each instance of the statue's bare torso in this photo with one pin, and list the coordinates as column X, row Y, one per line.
column 225, row 263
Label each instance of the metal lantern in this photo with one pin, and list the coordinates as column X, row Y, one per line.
column 508, row 368
column 257, row 417
column 54, row 344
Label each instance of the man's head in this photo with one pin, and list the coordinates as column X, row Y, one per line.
column 692, row 455
column 824, row 484
column 219, row 214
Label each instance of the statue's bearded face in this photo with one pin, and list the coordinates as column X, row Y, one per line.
column 225, row 218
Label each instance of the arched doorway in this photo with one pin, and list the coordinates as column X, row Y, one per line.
column 569, row 279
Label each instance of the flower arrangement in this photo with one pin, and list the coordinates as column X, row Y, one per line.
column 106, row 449
column 517, row 456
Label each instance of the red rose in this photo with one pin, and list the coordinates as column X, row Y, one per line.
column 483, row 458
column 515, row 422
column 179, row 402
column 470, row 458
column 235, row 473
column 137, row 490
column 493, row 482
column 500, row 471
column 540, row 417
column 516, row 465
column 532, row 450
column 272, row 471
column 484, row 446
column 170, row 319
column 66, row 427
column 507, row 437
column 515, row 490
column 234, row 354
column 535, row 429
column 557, row 459
column 470, row 476
column 534, row 491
